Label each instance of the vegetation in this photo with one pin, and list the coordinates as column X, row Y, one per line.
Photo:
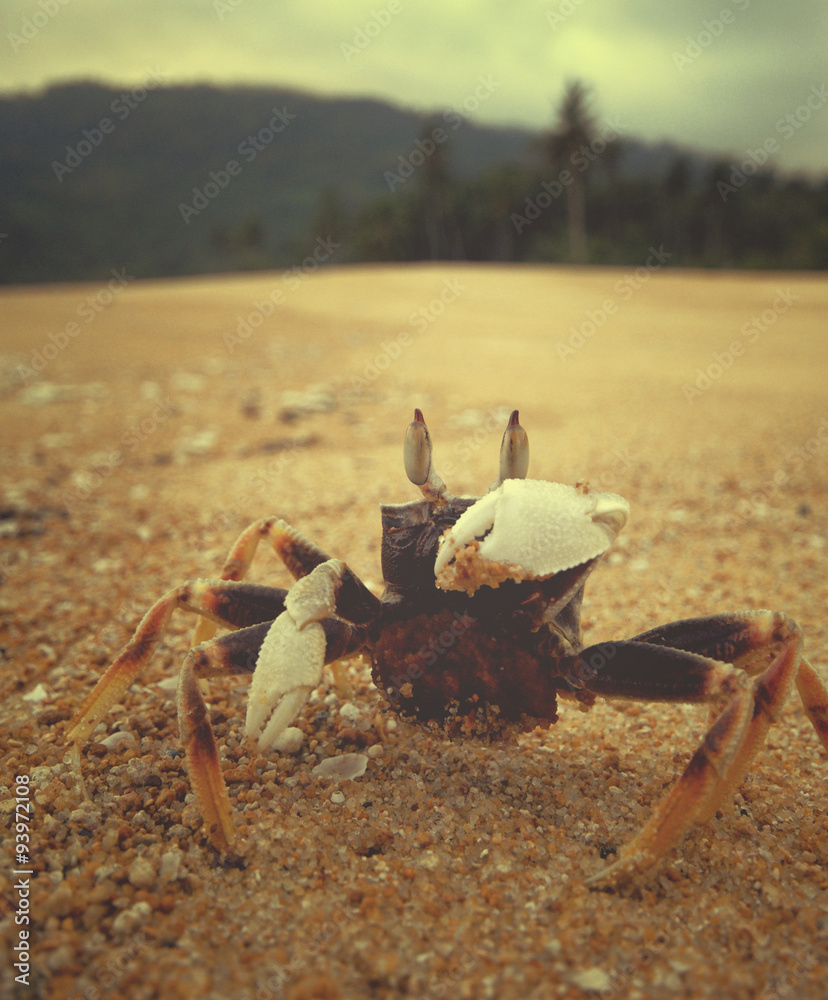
column 187, row 180
column 574, row 203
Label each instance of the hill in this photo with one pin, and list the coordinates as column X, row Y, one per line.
column 169, row 181
column 80, row 197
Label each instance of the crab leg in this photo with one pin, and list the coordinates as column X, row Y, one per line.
column 238, row 653
column 233, row 653
column 814, row 695
column 720, row 638
column 763, row 643
column 231, row 604
column 299, row 555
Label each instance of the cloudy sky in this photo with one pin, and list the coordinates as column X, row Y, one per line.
column 725, row 76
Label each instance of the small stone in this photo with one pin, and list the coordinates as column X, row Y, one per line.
column 137, row 771
column 139, row 492
column 346, row 765
column 117, row 739
column 85, row 816
column 37, row 694
column 554, row 947
column 150, row 391
column 337, row 798
column 60, row 958
column 105, row 872
column 62, row 900
column 141, row 873
column 143, row 820
column 132, row 918
column 592, row 979
column 171, row 864
column 188, row 381
column 190, row 816
column 197, row 442
column 289, row 740
column 349, row 712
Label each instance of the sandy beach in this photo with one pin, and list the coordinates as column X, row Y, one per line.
column 147, row 423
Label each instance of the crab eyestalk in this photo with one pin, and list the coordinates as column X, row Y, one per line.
column 514, row 452
column 417, row 458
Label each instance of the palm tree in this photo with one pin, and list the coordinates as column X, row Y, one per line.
column 434, row 191
column 568, row 147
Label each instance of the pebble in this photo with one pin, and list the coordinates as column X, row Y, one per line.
column 289, row 740
column 122, row 737
column 592, row 979
column 196, row 443
column 137, row 771
column 346, row 765
column 44, row 393
column 314, row 399
column 349, row 712
column 183, row 381
column 170, row 864
column 141, row 873
column 133, row 918
column 38, row 693
column 85, row 816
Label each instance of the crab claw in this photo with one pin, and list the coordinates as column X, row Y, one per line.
column 527, row 529
column 289, row 667
column 292, row 655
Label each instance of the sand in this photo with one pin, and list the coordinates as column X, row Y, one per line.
column 151, row 421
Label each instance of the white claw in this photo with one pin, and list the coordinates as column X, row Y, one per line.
column 529, row 529
column 289, row 667
column 292, row 656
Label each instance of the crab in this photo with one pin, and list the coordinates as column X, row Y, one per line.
column 478, row 630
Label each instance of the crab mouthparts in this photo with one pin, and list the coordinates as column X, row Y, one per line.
column 527, row 529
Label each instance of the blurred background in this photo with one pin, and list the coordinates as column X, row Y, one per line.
column 242, row 135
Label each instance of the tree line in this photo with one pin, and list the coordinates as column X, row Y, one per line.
column 169, row 181
column 573, row 204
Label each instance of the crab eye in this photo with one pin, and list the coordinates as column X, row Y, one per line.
column 417, row 450
column 417, row 459
column 514, row 452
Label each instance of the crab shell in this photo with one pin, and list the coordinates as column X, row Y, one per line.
column 527, row 529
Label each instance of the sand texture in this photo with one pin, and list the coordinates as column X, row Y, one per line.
column 160, row 418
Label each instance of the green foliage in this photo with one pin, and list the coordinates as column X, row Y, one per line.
column 156, row 193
